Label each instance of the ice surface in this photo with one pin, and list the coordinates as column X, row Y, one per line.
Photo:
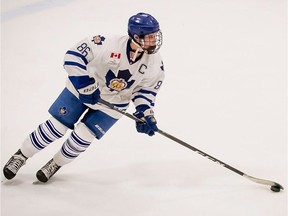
column 224, row 93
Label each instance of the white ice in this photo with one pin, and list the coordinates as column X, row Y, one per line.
column 224, row 93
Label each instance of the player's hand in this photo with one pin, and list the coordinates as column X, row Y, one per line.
column 87, row 89
column 90, row 98
column 148, row 125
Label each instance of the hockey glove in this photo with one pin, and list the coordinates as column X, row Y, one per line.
column 87, row 89
column 148, row 125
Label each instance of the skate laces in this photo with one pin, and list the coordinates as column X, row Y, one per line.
column 50, row 168
column 16, row 162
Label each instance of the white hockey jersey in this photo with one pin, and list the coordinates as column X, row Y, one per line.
column 107, row 60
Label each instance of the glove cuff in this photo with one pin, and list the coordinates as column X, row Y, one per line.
column 142, row 108
column 148, row 112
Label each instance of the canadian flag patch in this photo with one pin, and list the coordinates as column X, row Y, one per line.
column 115, row 55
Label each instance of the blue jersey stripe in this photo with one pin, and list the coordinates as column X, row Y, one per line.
column 75, row 64
column 145, row 98
column 147, row 92
column 121, row 105
column 70, row 52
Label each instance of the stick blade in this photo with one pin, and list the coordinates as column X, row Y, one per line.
column 274, row 185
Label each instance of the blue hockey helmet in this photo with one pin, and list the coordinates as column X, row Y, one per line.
column 142, row 24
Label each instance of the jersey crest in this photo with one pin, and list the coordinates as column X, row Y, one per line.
column 120, row 82
column 98, row 39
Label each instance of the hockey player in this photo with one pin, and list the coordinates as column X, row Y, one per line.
column 118, row 69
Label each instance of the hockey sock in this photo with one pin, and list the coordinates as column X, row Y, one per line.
column 78, row 142
column 45, row 134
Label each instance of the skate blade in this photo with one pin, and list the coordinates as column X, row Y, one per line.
column 3, row 180
column 37, row 182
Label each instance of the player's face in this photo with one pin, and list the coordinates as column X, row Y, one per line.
column 150, row 40
column 151, row 43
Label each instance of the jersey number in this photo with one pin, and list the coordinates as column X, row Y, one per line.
column 84, row 49
column 158, row 85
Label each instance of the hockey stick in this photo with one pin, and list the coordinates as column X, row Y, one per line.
column 276, row 187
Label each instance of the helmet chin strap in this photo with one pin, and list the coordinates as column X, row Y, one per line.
column 139, row 49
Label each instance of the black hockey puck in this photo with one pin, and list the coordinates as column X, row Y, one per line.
column 275, row 188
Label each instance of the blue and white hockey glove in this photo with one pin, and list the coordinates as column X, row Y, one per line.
column 87, row 89
column 149, row 123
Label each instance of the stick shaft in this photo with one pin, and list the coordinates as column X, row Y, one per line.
column 169, row 136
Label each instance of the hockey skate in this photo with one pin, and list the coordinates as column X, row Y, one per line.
column 14, row 164
column 47, row 171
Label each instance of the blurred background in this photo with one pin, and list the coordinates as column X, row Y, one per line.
column 225, row 93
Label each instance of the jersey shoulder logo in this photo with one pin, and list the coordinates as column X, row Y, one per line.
column 98, row 39
column 120, row 82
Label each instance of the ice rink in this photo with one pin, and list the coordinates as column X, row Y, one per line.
column 225, row 93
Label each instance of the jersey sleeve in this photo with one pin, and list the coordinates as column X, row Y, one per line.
column 78, row 57
column 147, row 91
